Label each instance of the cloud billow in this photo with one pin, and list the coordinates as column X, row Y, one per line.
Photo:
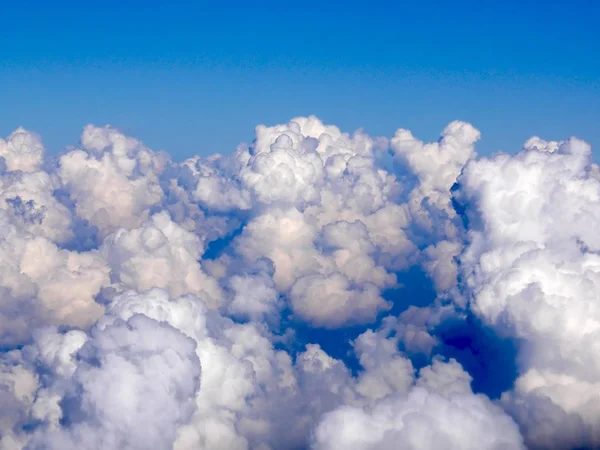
column 146, row 303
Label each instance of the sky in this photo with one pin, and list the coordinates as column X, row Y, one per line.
column 194, row 78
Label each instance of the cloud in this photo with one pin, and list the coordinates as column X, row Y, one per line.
column 312, row 289
column 159, row 253
column 132, row 387
column 44, row 284
column 22, row 151
column 111, row 245
column 531, row 270
column 310, row 185
column 420, row 420
column 112, row 178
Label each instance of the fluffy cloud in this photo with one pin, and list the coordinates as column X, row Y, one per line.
column 436, row 165
column 138, row 368
column 532, row 271
column 132, row 388
column 297, row 293
column 328, row 217
column 420, row 420
column 131, row 385
column 160, row 253
column 27, row 191
column 438, row 411
column 22, row 151
column 41, row 283
column 112, row 178
column 311, row 228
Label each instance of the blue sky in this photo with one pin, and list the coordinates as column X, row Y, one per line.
column 195, row 78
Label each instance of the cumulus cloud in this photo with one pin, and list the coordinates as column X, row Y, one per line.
column 531, row 271
column 312, row 187
column 159, row 253
column 40, row 283
column 125, row 384
column 112, row 178
column 313, row 289
column 420, row 420
column 22, row 151
column 133, row 386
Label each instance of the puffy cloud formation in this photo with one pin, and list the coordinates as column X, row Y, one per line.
column 112, row 179
column 138, row 368
column 331, row 220
column 126, row 384
column 313, row 289
column 159, row 253
column 22, row 151
column 531, row 270
column 420, row 420
column 42, row 283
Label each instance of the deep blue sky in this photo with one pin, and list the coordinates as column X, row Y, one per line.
column 191, row 78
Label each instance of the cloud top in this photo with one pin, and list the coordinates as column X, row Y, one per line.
column 314, row 289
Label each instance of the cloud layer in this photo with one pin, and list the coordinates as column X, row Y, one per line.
column 314, row 289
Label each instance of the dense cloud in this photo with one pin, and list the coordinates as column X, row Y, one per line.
column 313, row 289
column 420, row 420
column 532, row 271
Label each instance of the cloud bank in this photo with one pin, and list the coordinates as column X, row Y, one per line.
column 312, row 290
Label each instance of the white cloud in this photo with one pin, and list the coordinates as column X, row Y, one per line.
column 160, row 253
column 113, row 179
column 43, row 284
column 532, row 271
column 331, row 220
column 419, row 420
column 122, row 273
column 132, row 388
column 22, row 151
